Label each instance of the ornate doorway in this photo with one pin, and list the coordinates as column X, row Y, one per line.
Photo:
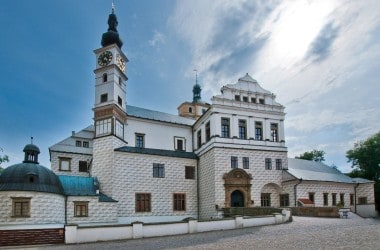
column 237, row 199
column 237, row 185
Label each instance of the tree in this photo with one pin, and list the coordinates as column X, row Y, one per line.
column 315, row 155
column 3, row 159
column 365, row 158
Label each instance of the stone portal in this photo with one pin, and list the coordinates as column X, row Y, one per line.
column 237, row 185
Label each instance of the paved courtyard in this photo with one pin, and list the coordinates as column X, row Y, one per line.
column 302, row 233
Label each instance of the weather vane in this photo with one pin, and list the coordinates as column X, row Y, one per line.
column 196, row 76
column 113, row 7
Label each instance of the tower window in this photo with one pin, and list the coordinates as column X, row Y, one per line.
column 104, row 98
column 199, row 137
column 245, row 98
column 225, row 127
column 208, row 131
column 120, row 80
column 120, row 101
column 242, row 129
column 253, row 100
column 274, row 131
column 237, row 97
column 261, row 101
column 259, row 131
column 278, row 164
column 105, row 77
column 190, row 110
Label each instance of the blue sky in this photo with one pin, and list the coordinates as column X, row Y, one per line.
column 321, row 59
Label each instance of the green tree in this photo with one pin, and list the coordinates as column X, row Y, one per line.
column 314, row 155
column 3, row 158
column 365, row 158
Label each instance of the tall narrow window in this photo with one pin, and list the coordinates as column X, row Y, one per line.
column 199, row 138
column 234, row 162
column 120, row 101
column 140, row 140
column 104, row 98
column 333, row 199
column 246, row 162
column 352, row 199
column 190, row 110
column 265, row 200
column 284, row 200
column 325, row 199
column 105, row 77
column 21, row 207
column 80, row 209
column 225, row 127
column 179, row 202
column 342, row 198
column 180, row 145
column 268, row 163
column 278, row 164
column 190, row 172
column 208, row 131
column 142, row 202
column 158, row 170
column 242, row 129
column 258, row 131
column 274, row 131
column 311, row 197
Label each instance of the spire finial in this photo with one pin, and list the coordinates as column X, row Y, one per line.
column 113, row 7
column 196, row 76
column 196, row 89
column 31, row 140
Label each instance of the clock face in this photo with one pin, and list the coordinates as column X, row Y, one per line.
column 120, row 62
column 105, row 58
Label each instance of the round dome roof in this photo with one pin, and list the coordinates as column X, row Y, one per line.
column 31, row 148
column 30, row 177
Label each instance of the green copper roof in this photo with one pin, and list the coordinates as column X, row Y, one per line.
column 161, row 152
column 30, row 177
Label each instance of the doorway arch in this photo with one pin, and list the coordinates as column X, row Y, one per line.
column 237, row 199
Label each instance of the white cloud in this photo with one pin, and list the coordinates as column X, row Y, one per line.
column 157, row 39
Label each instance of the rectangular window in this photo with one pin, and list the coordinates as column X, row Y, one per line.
column 265, row 200
column 119, row 128
column 104, row 98
column 103, row 127
column 278, row 164
column 274, row 131
column 78, row 143
column 21, row 207
column 237, row 97
column 325, row 199
column 242, row 129
column 246, row 162
column 208, row 131
column 86, row 144
column 120, row 101
column 362, row 200
column 199, row 138
column 261, row 101
column 342, row 199
column 268, row 163
column 311, row 197
column 352, row 198
column 190, row 172
column 245, row 98
column 64, row 164
column 179, row 202
column 259, row 131
column 253, row 100
column 139, row 140
column 82, row 166
column 80, row 208
column 284, row 200
column 333, row 199
column 142, row 202
column 234, row 162
column 225, row 127
column 158, row 170
column 179, row 143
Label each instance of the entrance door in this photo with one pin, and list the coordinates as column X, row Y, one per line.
column 237, row 199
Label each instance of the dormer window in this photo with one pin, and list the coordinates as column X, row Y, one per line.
column 237, row 97
column 253, row 100
column 261, row 101
column 105, row 77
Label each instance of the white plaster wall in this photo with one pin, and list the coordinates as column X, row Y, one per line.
column 75, row 158
column 157, row 134
column 134, row 174
column 44, row 208
column 206, row 178
column 97, row 211
column 93, row 234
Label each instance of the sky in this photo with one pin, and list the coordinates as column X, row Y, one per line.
column 320, row 58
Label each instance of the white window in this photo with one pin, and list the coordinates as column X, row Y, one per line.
column 119, row 128
column 103, row 127
column 179, row 143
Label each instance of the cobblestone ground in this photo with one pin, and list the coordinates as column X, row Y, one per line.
column 302, row 233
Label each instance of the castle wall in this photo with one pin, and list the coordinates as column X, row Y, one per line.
column 74, row 163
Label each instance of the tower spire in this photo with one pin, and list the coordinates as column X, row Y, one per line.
column 196, row 89
column 112, row 36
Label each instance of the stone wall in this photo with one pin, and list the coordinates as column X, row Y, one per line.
column 97, row 211
column 74, row 164
column 133, row 173
column 206, row 185
column 44, row 208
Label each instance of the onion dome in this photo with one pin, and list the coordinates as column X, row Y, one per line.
column 29, row 175
column 112, row 36
column 197, row 93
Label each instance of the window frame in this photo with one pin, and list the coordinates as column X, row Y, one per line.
column 143, row 202
column 24, row 209
column 139, row 140
column 362, row 200
column 103, row 98
column 278, row 164
column 234, row 162
column 86, row 144
column 242, row 126
column 312, row 197
column 199, row 138
column 189, row 172
column 208, row 131
column 245, row 162
column 352, row 199
column 176, row 143
column 284, row 200
column 158, row 170
column 64, row 159
column 78, row 143
column 80, row 168
column 325, row 199
column 225, row 127
column 265, row 200
column 258, row 131
column 179, row 202
column 83, row 208
column 237, row 98
column 333, row 199
column 274, row 132
column 268, row 163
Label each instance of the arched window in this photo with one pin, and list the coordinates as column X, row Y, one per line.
column 105, row 77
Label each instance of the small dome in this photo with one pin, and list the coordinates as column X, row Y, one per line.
column 30, row 177
column 31, row 148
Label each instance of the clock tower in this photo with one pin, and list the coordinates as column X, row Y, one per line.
column 110, row 84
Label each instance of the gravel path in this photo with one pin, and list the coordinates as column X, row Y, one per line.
column 302, row 233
